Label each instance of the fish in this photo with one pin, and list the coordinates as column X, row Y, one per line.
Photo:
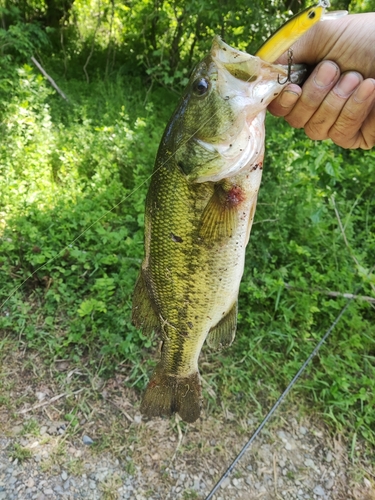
column 282, row 39
column 199, row 211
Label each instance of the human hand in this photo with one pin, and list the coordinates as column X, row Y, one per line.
column 334, row 104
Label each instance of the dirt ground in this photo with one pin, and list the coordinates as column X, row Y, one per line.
column 67, row 434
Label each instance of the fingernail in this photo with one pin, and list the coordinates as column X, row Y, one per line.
column 288, row 98
column 347, row 83
column 326, row 74
column 365, row 90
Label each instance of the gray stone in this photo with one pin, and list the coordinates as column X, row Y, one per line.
column 59, row 490
column 329, row 483
column 225, row 483
column 87, row 440
column 30, row 482
column 309, row 463
column 319, row 490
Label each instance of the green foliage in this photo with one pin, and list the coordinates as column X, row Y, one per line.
column 22, row 40
column 20, row 453
column 73, row 237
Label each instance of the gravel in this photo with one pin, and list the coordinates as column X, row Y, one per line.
column 286, row 464
column 74, row 441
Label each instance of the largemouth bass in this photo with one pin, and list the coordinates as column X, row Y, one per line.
column 199, row 212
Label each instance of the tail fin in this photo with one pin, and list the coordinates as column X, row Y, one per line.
column 167, row 394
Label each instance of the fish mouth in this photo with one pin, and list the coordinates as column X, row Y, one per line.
column 248, row 68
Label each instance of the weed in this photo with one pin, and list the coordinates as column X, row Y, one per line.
column 20, row 453
column 30, row 426
column 190, row 494
column 75, row 466
column 110, row 487
column 5, row 401
column 130, row 467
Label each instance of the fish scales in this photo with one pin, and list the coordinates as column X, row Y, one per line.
column 199, row 211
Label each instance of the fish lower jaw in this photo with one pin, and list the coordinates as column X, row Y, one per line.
column 233, row 158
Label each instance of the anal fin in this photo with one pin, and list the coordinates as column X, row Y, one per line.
column 222, row 335
column 143, row 311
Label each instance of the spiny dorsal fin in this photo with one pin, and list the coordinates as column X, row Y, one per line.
column 222, row 335
column 220, row 217
column 143, row 311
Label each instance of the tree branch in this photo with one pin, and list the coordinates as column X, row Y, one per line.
column 334, row 294
column 46, row 75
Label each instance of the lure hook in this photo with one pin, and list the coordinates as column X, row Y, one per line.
column 290, row 63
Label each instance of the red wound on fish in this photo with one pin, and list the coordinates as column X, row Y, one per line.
column 235, row 196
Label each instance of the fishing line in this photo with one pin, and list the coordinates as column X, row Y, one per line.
column 52, row 259
column 281, row 398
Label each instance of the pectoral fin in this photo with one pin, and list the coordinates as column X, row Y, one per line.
column 222, row 335
column 220, row 217
column 143, row 311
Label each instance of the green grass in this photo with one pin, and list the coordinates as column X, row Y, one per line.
column 73, row 179
column 20, row 453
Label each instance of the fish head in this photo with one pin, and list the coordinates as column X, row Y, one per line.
column 217, row 130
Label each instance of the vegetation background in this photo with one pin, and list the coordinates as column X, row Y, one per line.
column 73, row 178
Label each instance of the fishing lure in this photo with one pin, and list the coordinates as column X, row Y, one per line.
column 294, row 28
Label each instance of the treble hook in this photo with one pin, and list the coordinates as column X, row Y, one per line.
column 290, row 63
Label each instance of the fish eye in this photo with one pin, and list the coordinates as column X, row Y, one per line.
column 201, row 86
column 311, row 14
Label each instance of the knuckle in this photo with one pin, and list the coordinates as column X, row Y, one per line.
column 316, row 130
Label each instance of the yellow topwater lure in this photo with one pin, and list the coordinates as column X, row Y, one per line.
column 280, row 41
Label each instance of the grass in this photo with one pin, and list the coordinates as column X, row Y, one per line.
column 73, row 186
column 20, row 453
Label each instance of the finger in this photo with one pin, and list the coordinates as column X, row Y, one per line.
column 368, row 131
column 314, row 90
column 284, row 102
column 355, row 126
column 322, row 121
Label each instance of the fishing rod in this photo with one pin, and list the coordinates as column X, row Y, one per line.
column 281, row 398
